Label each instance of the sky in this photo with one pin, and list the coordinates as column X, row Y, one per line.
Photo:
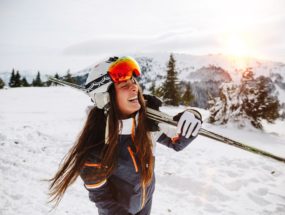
column 56, row 35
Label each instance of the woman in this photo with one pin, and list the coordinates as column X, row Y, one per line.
column 114, row 153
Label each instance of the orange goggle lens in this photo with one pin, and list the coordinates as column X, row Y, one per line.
column 123, row 69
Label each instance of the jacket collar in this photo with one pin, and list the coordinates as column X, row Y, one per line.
column 127, row 125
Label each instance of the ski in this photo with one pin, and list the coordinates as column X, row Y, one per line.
column 65, row 83
column 165, row 118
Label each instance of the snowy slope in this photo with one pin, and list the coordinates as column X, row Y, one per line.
column 39, row 125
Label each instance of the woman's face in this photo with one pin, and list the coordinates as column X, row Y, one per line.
column 127, row 97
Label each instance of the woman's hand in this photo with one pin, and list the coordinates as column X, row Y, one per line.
column 189, row 123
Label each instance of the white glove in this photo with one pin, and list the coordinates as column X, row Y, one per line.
column 188, row 125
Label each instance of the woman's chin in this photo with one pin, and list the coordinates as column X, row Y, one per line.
column 131, row 111
column 134, row 110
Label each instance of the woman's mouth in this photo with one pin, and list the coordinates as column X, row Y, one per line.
column 133, row 99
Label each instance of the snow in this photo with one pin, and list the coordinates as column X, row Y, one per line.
column 39, row 125
column 281, row 94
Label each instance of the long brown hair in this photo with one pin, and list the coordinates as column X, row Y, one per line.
column 92, row 137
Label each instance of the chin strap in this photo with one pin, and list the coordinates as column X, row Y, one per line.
column 106, row 113
column 107, row 130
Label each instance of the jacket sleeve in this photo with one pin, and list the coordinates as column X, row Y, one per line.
column 168, row 137
column 97, row 184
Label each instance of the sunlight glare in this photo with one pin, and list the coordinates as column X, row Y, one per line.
column 237, row 46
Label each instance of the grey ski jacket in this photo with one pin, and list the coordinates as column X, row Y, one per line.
column 122, row 192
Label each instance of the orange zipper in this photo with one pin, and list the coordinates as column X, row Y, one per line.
column 136, row 168
column 93, row 164
column 133, row 158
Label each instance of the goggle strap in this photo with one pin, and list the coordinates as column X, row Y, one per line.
column 104, row 79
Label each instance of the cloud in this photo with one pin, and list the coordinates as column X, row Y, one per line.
column 60, row 34
column 105, row 45
column 170, row 42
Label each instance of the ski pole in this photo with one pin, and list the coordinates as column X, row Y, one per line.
column 165, row 118
column 65, row 83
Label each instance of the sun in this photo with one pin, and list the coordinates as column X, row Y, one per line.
column 237, row 46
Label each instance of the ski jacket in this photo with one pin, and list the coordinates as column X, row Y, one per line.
column 122, row 192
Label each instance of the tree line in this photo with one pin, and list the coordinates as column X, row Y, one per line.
column 171, row 92
column 253, row 100
column 16, row 80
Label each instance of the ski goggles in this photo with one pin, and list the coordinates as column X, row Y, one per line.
column 123, row 69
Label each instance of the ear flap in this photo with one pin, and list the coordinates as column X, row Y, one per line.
column 107, row 129
column 101, row 99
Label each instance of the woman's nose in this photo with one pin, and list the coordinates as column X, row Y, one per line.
column 134, row 86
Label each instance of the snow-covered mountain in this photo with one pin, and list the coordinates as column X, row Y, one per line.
column 187, row 64
column 154, row 66
column 209, row 73
column 205, row 72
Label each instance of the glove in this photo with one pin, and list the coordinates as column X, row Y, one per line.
column 189, row 123
column 154, row 103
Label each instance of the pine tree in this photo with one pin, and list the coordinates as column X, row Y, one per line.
column 226, row 107
column 2, row 84
column 169, row 87
column 260, row 101
column 24, row 82
column 188, row 96
column 12, row 79
column 53, row 83
column 248, row 75
column 37, row 82
column 253, row 101
column 69, row 78
column 17, row 79
column 152, row 88
column 267, row 99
